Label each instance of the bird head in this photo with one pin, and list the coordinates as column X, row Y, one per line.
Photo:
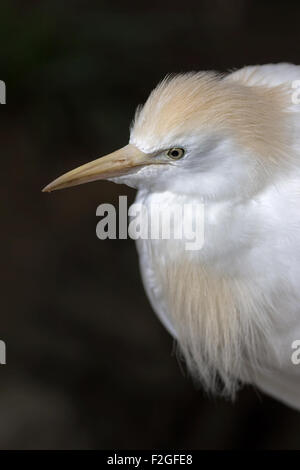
column 198, row 134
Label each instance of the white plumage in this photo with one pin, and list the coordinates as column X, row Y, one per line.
column 234, row 305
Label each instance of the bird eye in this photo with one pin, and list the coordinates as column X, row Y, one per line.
column 175, row 153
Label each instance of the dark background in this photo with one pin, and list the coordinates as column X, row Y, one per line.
column 88, row 364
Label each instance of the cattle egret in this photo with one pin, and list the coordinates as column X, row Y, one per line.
column 232, row 142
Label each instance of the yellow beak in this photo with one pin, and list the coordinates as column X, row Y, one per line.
column 117, row 163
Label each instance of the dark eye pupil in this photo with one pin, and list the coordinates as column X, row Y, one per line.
column 174, row 153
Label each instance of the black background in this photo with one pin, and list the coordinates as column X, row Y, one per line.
column 88, row 364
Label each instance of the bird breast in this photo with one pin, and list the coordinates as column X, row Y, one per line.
column 201, row 298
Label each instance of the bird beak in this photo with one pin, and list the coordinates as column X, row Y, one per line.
column 115, row 164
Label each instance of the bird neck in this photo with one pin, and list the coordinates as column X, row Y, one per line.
column 224, row 223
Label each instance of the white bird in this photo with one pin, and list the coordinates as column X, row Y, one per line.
column 232, row 142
